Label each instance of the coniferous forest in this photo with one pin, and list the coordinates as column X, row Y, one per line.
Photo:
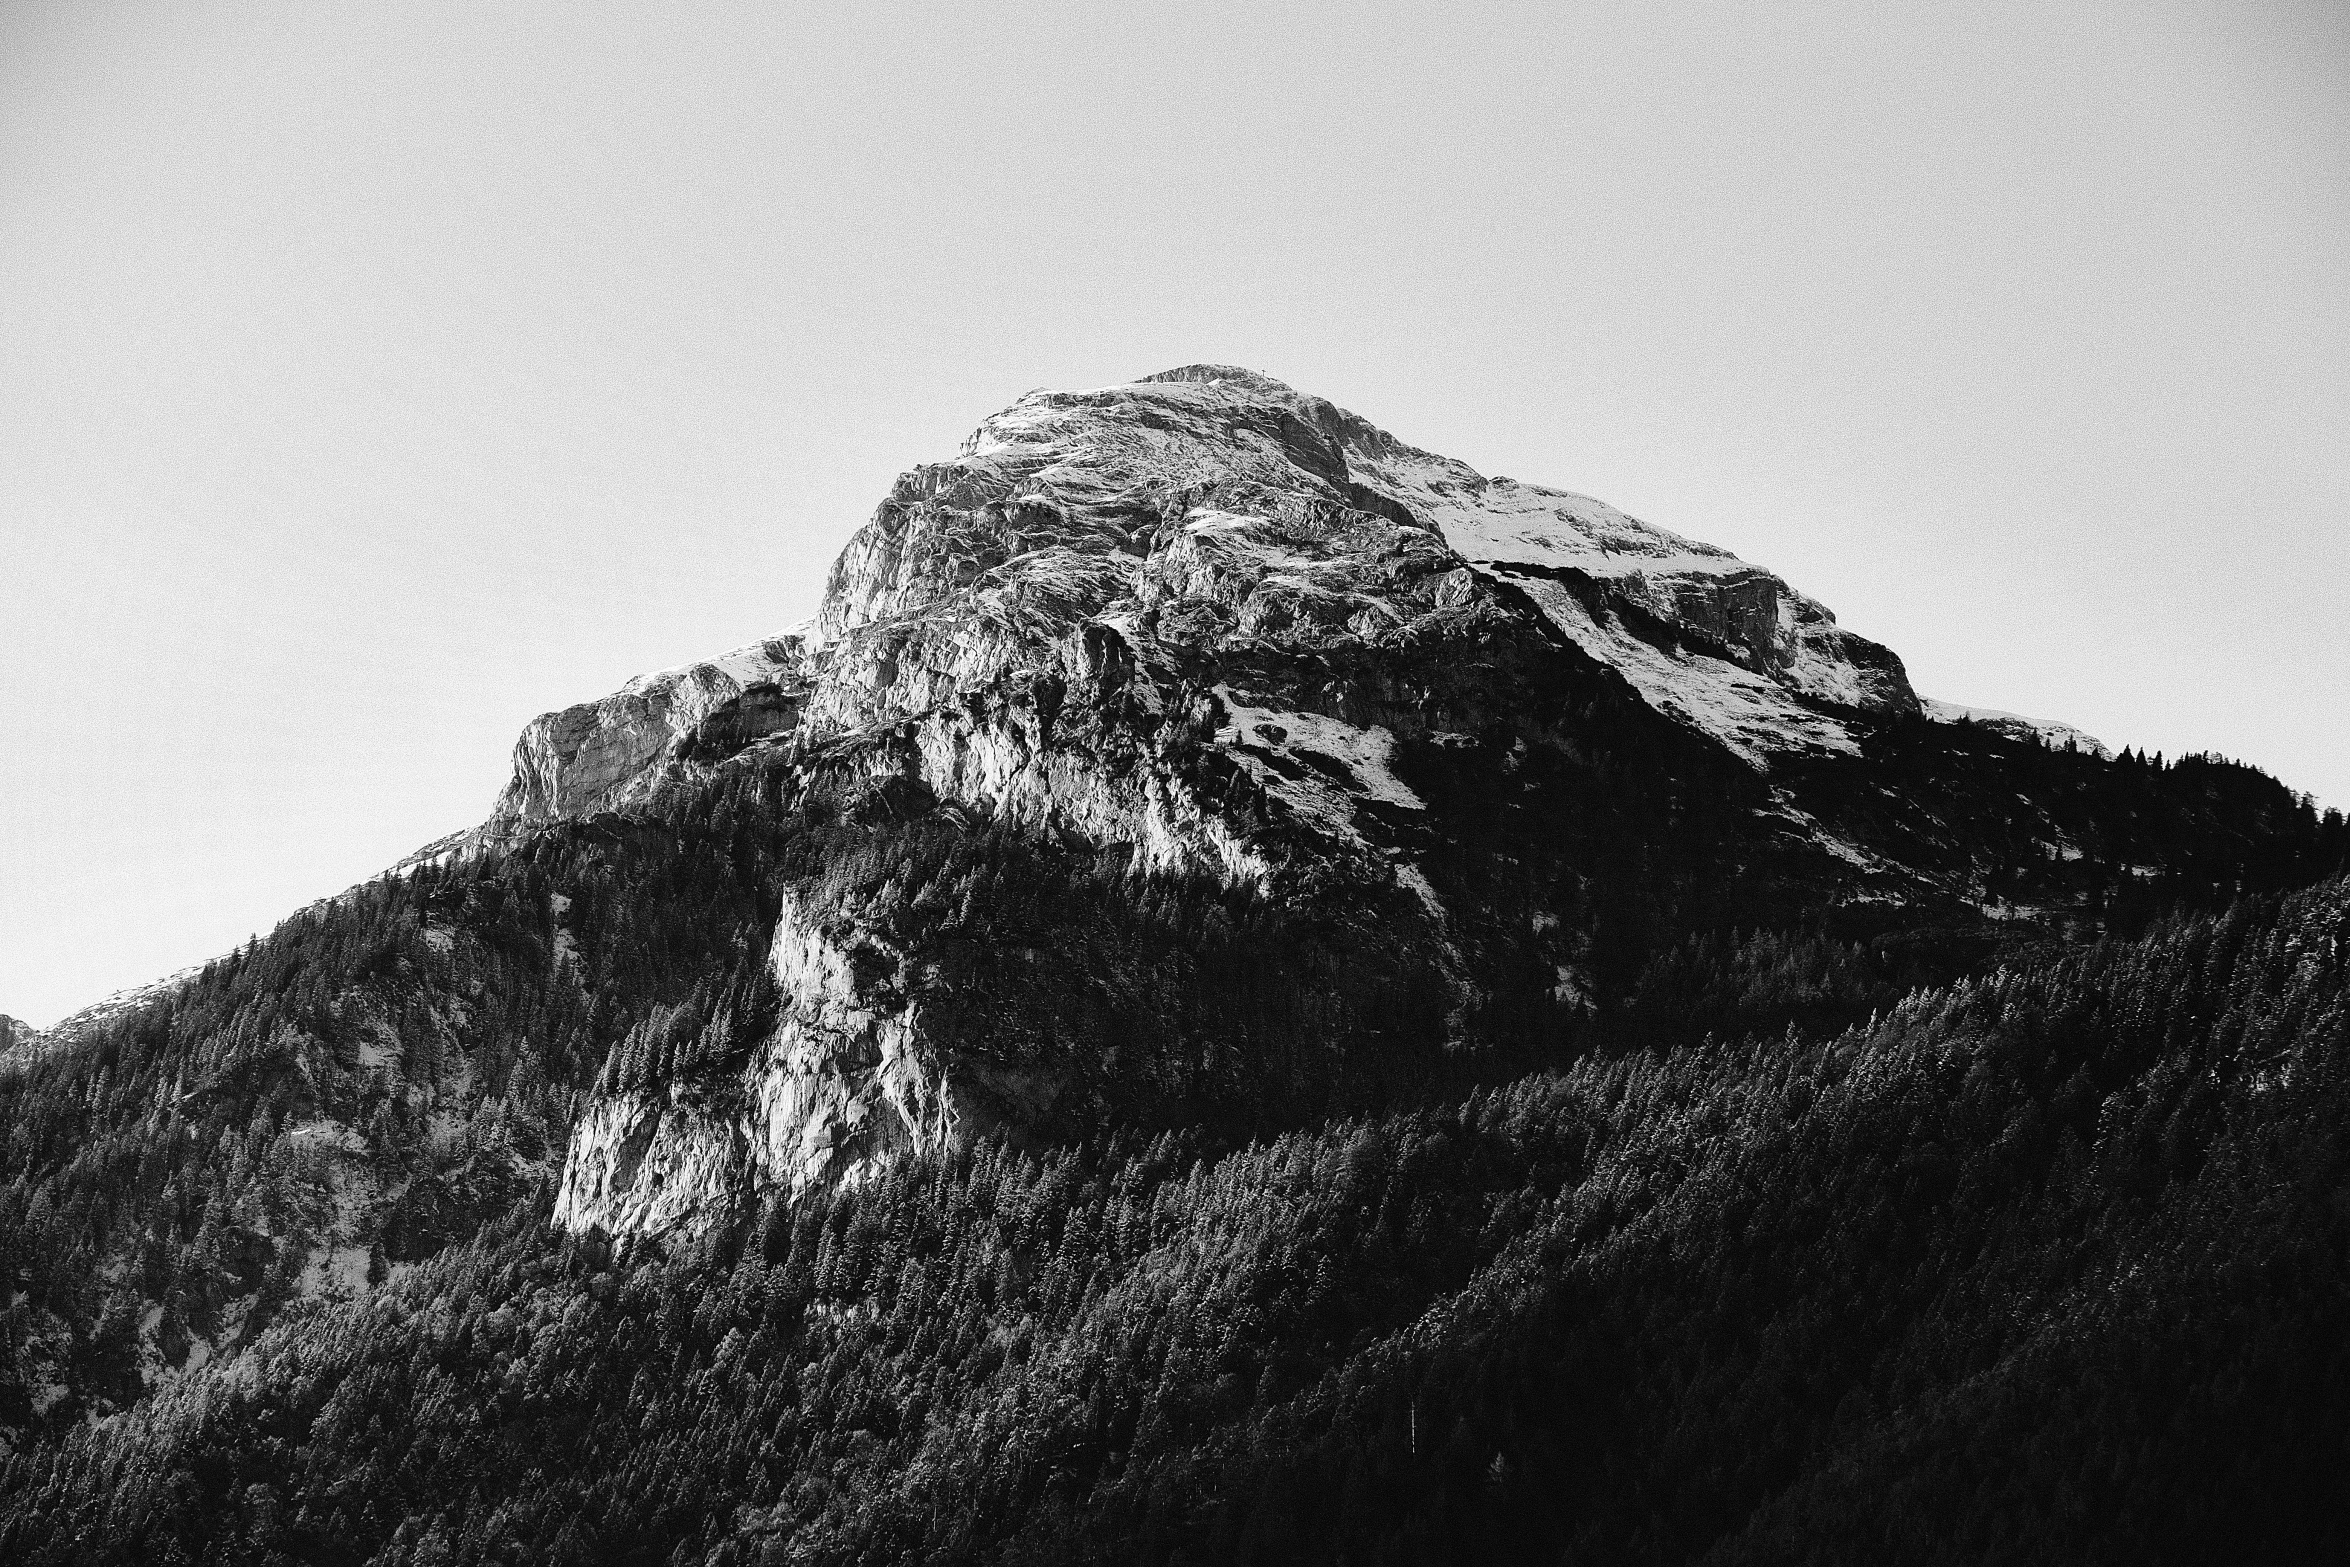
column 1809, row 1242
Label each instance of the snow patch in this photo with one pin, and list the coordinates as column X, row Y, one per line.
column 1295, row 757
column 1503, row 520
column 2049, row 731
column 1784, row 806
column 1752, row 714
column 1365, row 752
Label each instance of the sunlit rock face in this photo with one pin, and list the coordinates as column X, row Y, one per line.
column 1117, row 540
column 842, row 1084
column 2046, row 731
column 612, row 753
column 1212, row 509
column 1204, row 617
column 847, row 1082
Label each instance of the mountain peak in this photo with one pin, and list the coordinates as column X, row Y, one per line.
column 1210, row 516
column 1215, row 375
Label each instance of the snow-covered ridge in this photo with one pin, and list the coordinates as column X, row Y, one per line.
column 1501, row 519
column 1723, row 644
column 2048, row 731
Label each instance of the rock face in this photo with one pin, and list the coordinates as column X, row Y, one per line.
column 1205, row 512
column 1200, row 617
column 844, row 1083
column 610, row 754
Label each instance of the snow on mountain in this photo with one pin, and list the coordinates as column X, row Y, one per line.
column 1724, row 645
column 2046, row 730
column 1212, row 511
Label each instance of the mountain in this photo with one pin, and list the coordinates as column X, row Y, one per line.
column 1241, row 640
column 1227, row 932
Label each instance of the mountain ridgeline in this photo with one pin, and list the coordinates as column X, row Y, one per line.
column 1244, row 992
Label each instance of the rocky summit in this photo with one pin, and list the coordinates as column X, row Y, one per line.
column 1202, row 520
column 1242, row 992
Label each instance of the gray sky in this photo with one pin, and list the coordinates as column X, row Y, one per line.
column 374, row 377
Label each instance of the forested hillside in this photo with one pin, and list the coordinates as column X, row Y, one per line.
column 2052, row 1263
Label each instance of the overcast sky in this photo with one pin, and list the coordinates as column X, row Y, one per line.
column 376, row 376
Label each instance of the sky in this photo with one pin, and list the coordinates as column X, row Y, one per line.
column 375, row 377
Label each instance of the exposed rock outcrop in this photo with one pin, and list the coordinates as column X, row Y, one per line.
column 846, row 1081
column 612, row 753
